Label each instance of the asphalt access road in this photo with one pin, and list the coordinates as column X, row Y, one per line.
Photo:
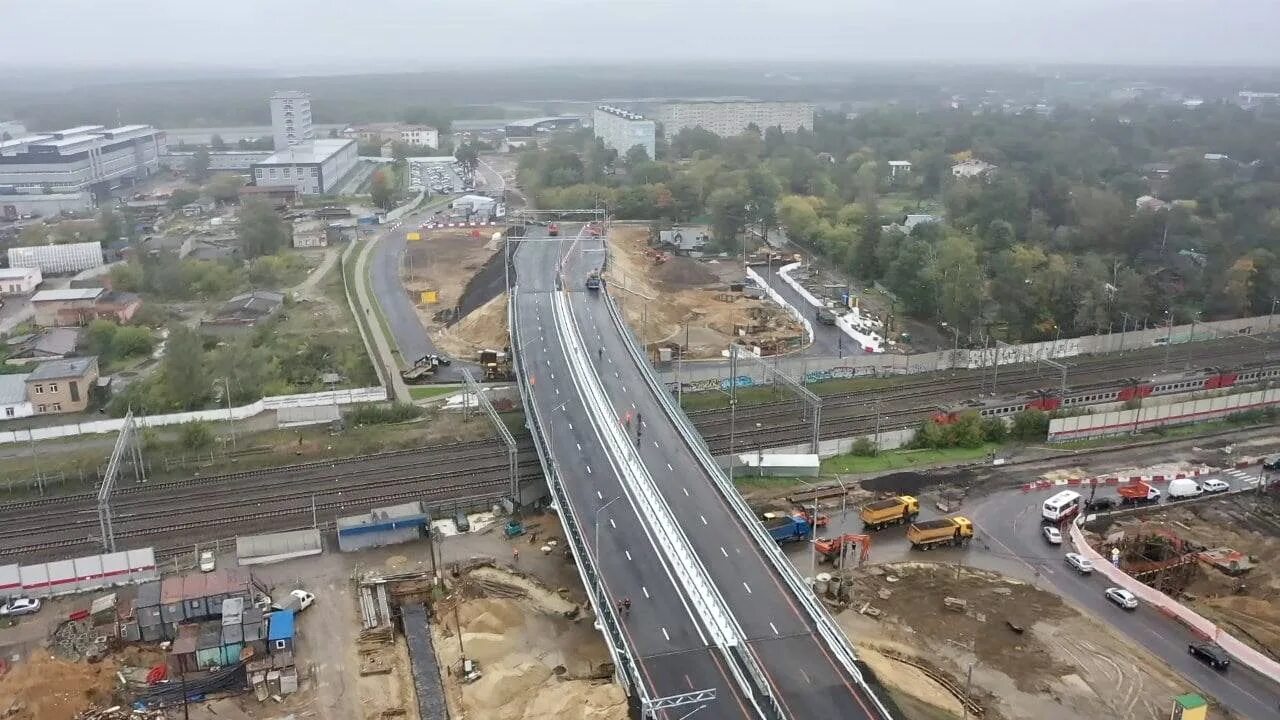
column 828, row 340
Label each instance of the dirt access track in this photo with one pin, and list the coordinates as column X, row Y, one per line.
column 657, row 299
column 453, row 263
column 1060, row 665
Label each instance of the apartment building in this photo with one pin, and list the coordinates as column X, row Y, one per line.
column 622, row 130
column 312, row 169
column 727, row 119
column 291, row 119
column 418, row 135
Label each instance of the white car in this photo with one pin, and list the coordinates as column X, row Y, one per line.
column 297, row 601
column 20, row 606
column 1122, row 597
column 1081, row 563
column 207, row 561
column 1214, row 486
column 1052, row 534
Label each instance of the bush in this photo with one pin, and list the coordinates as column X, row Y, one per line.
column 863, row 447
column 196, row 435
column 383, row 414
column 1030, row 425
column 994, row 430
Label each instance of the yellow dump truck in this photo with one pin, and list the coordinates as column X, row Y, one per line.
column 929, row 534
column 890, row 511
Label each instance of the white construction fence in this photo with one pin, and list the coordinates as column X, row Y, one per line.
column 332, row 397
column 62, row 577
column 1126, row 421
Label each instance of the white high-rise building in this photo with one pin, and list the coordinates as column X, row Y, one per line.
column 621, row 130
column 730, row 118
column 291, row 119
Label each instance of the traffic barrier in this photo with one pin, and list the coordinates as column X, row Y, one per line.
column 1113, row 481
column 1157, row 478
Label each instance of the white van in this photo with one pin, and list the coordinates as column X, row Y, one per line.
column 1184, row 488
column 1061, row 507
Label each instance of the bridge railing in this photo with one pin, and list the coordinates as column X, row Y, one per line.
column 822, row 620
column 627, row 674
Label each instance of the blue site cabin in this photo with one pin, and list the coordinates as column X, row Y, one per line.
column 280, row 631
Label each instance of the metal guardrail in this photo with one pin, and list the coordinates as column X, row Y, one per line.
column 822, row 620
column 628, row 674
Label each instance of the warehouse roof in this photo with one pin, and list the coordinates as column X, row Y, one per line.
column 67, row 368
column 67, row 294
column 316, row 151
column 18, row 272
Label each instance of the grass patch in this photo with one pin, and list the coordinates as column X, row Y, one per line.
column 897, row 459
column 430, row 391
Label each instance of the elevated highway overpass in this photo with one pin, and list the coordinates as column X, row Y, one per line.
column 719, row 621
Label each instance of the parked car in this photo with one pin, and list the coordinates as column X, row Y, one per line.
column 1210, row 653
column 1052, row 534
column 461, row 522
column 1184, row 488
column 1122, row 597
column 1100, row 504
column 297, row 601
column 207, row 561
column 1272, row 463
column 20, row 606
column 1214, row 486
column 1081, row 563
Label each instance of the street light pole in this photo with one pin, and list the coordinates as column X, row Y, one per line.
column 1168, row 341
column 1124, row 326
column 231, row 427
column 596, row 541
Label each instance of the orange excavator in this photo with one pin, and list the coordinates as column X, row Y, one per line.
column 831, row 549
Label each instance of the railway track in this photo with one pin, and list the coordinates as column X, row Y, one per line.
column 904, row 405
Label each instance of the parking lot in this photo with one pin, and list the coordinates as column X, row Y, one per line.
column 438, row 177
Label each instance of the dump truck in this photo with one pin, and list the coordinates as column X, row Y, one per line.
column 929, row 534
column 788, row 528
column 1139, row 493
column 496, row 365
column 890, row 511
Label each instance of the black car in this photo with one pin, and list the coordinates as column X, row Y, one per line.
column 1099, row 504
column 1210, row 653
column 1272, row 463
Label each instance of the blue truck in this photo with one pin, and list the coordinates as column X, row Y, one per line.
column 788, row 528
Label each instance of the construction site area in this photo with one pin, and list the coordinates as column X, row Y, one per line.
column 927, row 630
column 455, row 278
column 1218, row 557
column 701, row 305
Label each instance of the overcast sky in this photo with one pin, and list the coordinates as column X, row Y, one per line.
column 300, row 36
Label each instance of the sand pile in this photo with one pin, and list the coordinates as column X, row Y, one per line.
column 485, row 328
column 46, row 688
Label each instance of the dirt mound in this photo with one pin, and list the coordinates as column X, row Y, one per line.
column 45, row 688
column 483, row 329
column 682, row 272
column 911, row 483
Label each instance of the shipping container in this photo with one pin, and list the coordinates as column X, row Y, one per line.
column 130, row 632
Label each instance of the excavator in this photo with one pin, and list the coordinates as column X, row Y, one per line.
column 831, row 549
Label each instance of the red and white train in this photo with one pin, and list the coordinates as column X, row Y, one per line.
column 1204, row 380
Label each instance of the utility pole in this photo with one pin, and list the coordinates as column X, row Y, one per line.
column 1192, row 338
column 1123, row 328
column 1168, row 341
column 231, row 426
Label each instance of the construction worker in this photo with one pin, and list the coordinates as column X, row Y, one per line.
column 626, row 606
column 600, row 353
column 515, row 554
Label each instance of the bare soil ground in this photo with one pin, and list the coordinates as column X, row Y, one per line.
column 1247, row 606
column 1063, row 665
column 657, row 300
column 445, row 261
column 539, row 655
column 43, row 687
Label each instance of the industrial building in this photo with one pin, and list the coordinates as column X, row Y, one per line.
column 56, row 259
column 219, row 160
column 70, row 307
column 532, row 126
column 728, row 119
column 90, row 158
column 312, row 169
column 291, row 119
column 622, row 130
column 13, row 397
column 14, row 205
column 417, row 135
column 19, row 280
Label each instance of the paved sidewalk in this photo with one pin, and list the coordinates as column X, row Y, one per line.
column 381, row 344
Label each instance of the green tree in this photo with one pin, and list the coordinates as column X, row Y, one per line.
column 112, row 228
column 182, row 369
column 224, row 188
column 198, row 165
column 1030, row 425
column 468, row 155
column 182, row 196
column 132, row 340
column 261, row 230
column 380, row 190
column 959, row 281
column 217, row 143
column 727, row 207
column 196, row 435
column 636, row 154
column 99, row 338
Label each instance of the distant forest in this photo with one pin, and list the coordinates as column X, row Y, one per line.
column 64, row 99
